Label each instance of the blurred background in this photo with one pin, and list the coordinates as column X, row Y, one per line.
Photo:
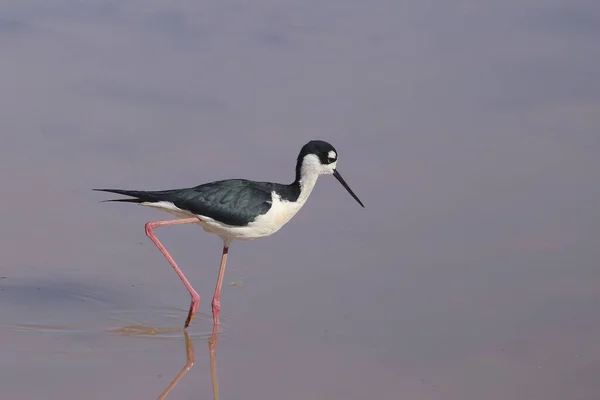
column 468, row 128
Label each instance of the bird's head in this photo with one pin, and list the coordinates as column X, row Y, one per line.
column 320, row 158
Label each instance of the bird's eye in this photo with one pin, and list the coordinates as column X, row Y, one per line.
column 331, row 157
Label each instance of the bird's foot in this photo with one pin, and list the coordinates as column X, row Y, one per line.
column 192, row 312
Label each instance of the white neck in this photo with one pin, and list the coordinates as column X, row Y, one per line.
column 310, row 170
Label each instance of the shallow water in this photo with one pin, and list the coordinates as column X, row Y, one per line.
column 468, row 130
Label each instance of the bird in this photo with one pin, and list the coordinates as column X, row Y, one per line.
column 236, row 209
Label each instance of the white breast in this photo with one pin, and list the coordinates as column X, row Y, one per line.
column 280, row 213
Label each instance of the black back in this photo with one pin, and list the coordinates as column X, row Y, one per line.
column 234, row 202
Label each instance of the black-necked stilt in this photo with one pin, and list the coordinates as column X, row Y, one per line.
column 237, row 209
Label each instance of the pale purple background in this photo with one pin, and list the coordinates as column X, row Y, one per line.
column 470, row 130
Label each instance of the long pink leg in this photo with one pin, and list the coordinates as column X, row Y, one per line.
column 216, row 302
column 150, row 232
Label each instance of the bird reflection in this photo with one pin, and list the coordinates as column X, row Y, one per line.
column 190, row 361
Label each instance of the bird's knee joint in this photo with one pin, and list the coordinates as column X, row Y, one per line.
column 148, row 228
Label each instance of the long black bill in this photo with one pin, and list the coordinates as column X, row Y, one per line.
column 344, row 184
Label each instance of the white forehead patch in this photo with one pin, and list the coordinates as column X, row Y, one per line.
column 332, row 155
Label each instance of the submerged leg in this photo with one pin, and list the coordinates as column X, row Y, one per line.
column 216, row 302
column 150, row 233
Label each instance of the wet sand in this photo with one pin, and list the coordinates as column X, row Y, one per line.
column 467, row 130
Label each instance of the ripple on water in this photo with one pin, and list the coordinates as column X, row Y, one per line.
column 134, row 322
column 66, row 317
column 74, row 339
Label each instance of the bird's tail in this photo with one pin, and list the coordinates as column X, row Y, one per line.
column 139, row 196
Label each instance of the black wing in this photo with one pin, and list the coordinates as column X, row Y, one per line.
column 234, row 201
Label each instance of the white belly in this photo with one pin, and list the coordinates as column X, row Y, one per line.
column 280, row 213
